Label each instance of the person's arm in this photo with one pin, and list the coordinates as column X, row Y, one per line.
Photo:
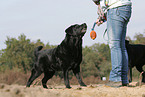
column 99, row 20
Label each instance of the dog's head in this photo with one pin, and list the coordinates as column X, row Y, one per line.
column 74, row 34
column 126, row 43
column 76, row 30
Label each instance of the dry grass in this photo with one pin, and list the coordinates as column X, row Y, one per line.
column 15, row 77
column 11, row 77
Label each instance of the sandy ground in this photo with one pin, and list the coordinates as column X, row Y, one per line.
column 97, row 90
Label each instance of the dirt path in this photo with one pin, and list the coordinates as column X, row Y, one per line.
column 98, row 90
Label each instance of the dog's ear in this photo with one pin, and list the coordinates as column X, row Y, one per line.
column 69, row 29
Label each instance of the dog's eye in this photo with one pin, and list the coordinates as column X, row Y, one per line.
column 76, row 26
column 75, row 29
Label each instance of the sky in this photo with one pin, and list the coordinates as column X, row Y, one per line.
column 47, row 20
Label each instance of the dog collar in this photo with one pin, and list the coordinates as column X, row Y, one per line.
column 74, row 35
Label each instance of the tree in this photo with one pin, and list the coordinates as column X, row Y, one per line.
column 89, row 63
column 94, row 58
column 139, row 39
column 19, row 53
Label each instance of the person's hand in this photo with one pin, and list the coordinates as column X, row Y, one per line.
column 99, row 22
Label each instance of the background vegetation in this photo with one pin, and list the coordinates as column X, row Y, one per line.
column 16, row 61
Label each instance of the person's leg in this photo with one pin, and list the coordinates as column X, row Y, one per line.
column 117, row 19
column 114, row 36
column 125, row 13
column 124, row 74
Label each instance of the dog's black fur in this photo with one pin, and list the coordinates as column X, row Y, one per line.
column 136, row 55
column 66, row 56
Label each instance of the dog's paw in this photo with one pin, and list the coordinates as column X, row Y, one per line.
column 68, row 87
column 44, row 86
column 27, row 86
column 83, row 85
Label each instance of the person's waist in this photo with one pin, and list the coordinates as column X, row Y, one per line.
column 111, row 2
column 119, row 3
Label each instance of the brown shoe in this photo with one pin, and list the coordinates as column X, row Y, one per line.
column 127, row 85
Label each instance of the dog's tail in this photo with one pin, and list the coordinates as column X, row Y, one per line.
column 37, row 49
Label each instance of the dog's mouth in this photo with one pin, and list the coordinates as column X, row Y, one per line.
column 84, row 28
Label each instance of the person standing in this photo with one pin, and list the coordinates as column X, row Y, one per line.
column 118, row 16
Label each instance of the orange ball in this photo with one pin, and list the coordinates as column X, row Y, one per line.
column 93, row 34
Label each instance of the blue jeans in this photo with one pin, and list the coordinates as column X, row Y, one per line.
column 117, row 20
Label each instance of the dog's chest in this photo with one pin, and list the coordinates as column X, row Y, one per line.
column 67, row 62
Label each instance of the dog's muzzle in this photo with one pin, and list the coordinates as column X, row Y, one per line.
column 84, row 28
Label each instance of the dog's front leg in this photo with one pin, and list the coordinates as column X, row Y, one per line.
column 76, row 71
column 66, row 79
column 143, row 77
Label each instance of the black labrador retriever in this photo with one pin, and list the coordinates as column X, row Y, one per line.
column 66, row 56
column 136, row 55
